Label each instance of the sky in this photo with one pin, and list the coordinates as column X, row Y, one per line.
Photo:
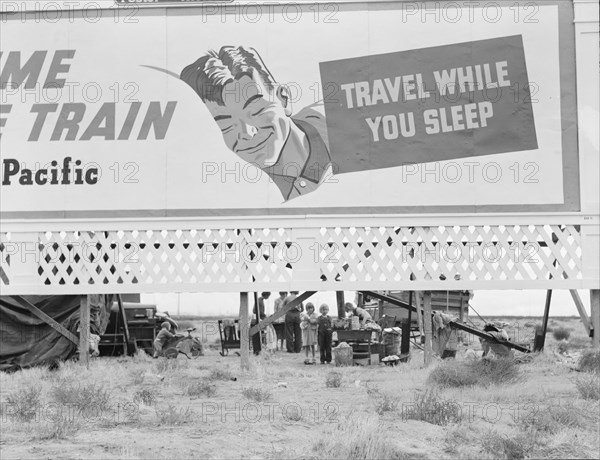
column 486, row 303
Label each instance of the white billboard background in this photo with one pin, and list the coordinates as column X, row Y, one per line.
column 150, row 175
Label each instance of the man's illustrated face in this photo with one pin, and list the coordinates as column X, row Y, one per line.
column 254, row 122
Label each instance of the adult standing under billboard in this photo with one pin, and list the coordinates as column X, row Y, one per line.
column 293, row 333
column 259, row 315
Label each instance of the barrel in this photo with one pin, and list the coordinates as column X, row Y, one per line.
column 391, row 343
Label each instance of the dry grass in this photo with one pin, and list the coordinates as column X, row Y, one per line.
column 221, row 374
column 23, row 404
column 144, row 396
column 61, row 428
column 165, row 406
column 512, row 447
column 384, row 401
column 83, row 397
column 201, row 388
column 174, row 416
column 588, row 386
column 427, row 406
column 359, row 438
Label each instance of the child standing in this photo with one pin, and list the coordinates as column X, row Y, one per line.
column 325, row 333
column 309, row 327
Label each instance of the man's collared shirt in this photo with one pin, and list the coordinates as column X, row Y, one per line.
column 312, row 124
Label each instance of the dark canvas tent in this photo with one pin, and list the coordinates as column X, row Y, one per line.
column 27, row 340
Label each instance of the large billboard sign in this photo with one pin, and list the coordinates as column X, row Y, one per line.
column 239, row 111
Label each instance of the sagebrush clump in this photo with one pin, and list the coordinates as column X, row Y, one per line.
column 84, row 397
column 589, row 361
column 588, row 386
column 427, row 406
column 333, row 380
column 510, row 447
column 220, row 374
column 483, row 372
column 172, row 415
column 256, row 394
column 24, row 403
column 201, row 388
column 561, row 333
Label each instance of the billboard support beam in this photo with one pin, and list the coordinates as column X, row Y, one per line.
column 84, row 330
column 244, row 335
column 542, row 338
column 582, row 313
column 339, row 297
column 427, row 313
column 124, row 318
column 595, row 314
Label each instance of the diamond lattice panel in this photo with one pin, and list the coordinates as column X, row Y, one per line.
column 209, row 258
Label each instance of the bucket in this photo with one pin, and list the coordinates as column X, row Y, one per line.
column 355, row 325
column 342, row 355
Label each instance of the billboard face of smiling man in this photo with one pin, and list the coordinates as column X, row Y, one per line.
column 254, row 115
column 255, row 122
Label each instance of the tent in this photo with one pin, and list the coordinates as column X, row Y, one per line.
column 28, row 338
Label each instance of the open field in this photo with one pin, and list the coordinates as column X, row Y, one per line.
column 142, row 408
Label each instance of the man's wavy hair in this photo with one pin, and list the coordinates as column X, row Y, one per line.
column 210, row 73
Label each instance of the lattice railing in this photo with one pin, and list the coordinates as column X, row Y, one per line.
column 268, row 258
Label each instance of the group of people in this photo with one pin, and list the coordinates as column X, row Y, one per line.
column 304, row 329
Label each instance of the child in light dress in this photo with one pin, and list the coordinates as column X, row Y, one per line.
column 309, row 325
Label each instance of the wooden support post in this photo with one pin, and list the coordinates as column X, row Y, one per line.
column 542, row 338
column 427, row 326
column 582, row 313
column 420, row 314
column 339, row 297
column 244, row 332
column 123, row 318
column 410, row 302
column 84, row 330
column 595, row 316
column 405, row 338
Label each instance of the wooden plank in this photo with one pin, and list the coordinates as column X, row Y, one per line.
column 595, row 314
column 84, row 330
column 542, row 339
column 278, row 314
column 419, row 304
column 47, row 319
column 244, row 336
column 582, row 313
column 123, row 318
column 339, row 297
column 427, row 326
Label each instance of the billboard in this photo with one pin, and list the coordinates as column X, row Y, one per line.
column 247, row 110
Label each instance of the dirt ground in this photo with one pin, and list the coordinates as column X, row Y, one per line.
column 140, row 408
